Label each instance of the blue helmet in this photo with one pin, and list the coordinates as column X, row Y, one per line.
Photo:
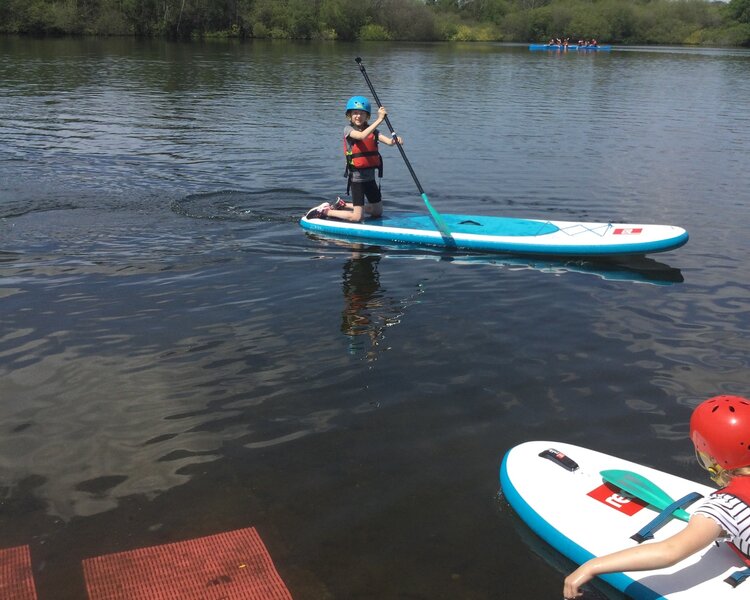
column 358, row 103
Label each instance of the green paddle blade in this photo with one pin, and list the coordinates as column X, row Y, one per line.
column 440, row 223
column 639, row 487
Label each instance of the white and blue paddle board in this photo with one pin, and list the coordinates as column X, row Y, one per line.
column 508, row 235
column 582, row 516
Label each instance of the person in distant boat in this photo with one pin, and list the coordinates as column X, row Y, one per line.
column 720, row 431
column 593, row 43
column 362, row 161
column 552, row 42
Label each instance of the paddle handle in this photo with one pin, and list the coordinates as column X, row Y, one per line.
column 358, row 60
column 436, row 216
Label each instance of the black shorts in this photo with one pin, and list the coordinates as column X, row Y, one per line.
column 362, row 189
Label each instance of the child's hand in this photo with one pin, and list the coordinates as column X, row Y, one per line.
column 574, row 581
column 382, row 113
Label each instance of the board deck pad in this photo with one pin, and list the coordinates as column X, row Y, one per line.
column 234, row 566
column 508, row 235
column 581, row 516
column 16, row 577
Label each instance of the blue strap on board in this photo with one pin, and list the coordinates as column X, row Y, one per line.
column 738, row 577
column 647, row 532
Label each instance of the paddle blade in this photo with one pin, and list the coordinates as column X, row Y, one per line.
column 439, row 223
column 642, row 488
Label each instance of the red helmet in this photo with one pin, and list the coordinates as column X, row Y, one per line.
column 720, row 427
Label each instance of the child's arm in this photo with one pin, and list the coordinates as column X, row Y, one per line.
column 386, row 139
column 360, row 135
column 698, row 534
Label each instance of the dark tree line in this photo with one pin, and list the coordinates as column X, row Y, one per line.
column 614, row 21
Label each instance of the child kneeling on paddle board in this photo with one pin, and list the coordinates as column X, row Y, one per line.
column 720, row 432
column 362, row 161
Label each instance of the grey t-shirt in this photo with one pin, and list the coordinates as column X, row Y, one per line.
column 360, row 174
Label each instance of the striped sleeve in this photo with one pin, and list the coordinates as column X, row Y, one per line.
column 732, row 515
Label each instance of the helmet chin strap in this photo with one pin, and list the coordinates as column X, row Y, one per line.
column 718, row 475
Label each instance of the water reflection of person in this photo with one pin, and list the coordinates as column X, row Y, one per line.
column 362, row 297
column 368, row 310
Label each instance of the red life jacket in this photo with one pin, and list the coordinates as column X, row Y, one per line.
column 363, row 154
column 739, row 487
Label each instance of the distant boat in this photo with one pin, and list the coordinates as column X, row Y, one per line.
column 568, row 47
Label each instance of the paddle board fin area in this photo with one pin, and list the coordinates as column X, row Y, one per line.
column 559, row 492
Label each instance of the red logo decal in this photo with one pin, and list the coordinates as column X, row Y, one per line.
column 615, row 498
column 628, row 231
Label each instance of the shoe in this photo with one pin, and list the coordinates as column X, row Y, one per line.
column 339, row 204
column 319, row 212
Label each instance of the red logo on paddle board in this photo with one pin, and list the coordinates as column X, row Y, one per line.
column 628, row 231
column 615, row 498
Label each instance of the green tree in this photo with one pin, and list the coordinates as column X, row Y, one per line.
column 374, row 33
column 304, row 18
column 50, row 17
column 526, row 25
column 450, row 6
column 488, row 11
column 344, row 17
column 739, row 10
column 589, row 24
column 617, row 22
column 406, row 19
column 142, row 14
column 110, row 19
column 621, row 21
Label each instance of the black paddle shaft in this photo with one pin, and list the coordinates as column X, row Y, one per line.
column 358, row 60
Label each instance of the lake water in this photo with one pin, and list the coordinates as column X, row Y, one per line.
column 178, row 358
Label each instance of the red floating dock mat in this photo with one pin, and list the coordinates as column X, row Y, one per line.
column 231, row 565
column 16, row 577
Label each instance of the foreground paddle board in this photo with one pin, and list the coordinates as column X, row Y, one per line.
column 509, row 235
column 582, row 517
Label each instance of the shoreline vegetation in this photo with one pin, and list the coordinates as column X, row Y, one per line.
column 628, row 22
